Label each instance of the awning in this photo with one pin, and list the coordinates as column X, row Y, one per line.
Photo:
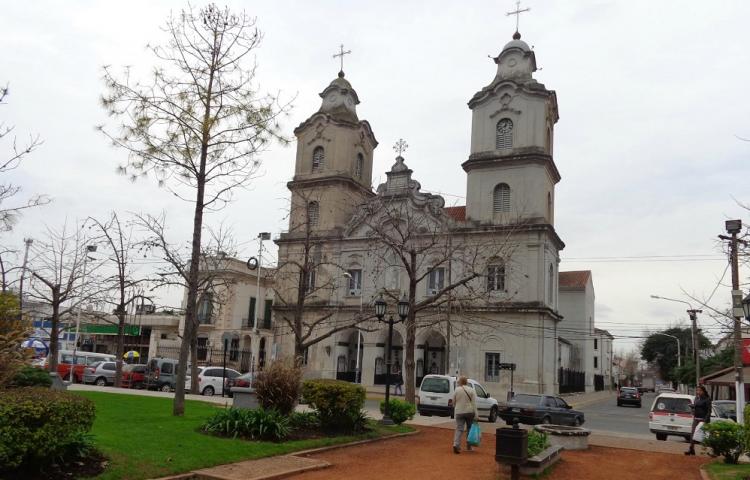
column 725, row 377
column 92, row 329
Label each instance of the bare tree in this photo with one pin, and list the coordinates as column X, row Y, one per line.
column 410, row 236
column 57, row 267
column 212, row 289
column 120, row 246
column 306, row 282
column 198, row 124
column 9, row 213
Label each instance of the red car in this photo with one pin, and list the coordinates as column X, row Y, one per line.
column 133, row 376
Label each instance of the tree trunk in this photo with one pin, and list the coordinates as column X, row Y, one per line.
column 411, row 337
column 54, row 331
column 119, row 349
column 194, row 365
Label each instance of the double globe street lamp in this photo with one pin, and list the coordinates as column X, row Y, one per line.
column 403, row 312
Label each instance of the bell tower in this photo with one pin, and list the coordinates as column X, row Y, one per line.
column 511, row 174
column 333, row 169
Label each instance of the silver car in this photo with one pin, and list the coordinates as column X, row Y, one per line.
column 100, row 373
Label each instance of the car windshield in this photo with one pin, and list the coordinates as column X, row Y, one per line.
column 531, row 399
column 628, row 390
column 435, row 385
column 726, row 408
column 672, row 405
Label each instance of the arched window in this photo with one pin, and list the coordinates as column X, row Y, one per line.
column 551, row 284
column 496, row 277
column 504, row 134
column 205, row 309
column 359, row 166
column 318, row 159
column 501, row 198
column 313, row 213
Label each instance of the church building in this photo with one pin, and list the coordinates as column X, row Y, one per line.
column 483, row 279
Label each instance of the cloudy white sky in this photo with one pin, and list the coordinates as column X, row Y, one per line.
column 652, row 97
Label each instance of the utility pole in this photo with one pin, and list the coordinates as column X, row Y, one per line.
column 734, row 227
column 696, row 343
column 28, row 242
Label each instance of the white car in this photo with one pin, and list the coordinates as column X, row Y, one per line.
column 210, row 380
column 671, row 415
column 436, row 397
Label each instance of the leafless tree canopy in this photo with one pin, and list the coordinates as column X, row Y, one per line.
column 9, row 211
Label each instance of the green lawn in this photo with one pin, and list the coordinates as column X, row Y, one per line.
column 143, row 440
column 722, row 471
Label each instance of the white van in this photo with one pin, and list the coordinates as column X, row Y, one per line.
column 671, row 414
column 436, row 397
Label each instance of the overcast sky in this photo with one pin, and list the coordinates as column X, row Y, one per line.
column 652, row 99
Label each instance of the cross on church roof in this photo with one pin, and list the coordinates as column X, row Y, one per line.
column 341, row 54
column 517, row 12
column 400, row 146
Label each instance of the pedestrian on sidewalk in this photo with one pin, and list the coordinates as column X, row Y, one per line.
column 701, row 413
column 398, row 389
column 465, row 411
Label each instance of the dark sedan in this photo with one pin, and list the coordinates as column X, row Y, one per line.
column 629, row 396
column 536, row 409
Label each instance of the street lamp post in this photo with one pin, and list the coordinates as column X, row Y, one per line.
column 89, row 249
column 403, row 312
column 693, row 314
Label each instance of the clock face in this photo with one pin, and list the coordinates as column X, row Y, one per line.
column 505, row 126
column 512, row 62
column 332, row 98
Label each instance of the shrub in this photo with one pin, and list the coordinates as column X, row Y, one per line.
column 538, row 441
column 400, row 410
column 304, row 421
column 338, row 403
column 39, row 426
column 13, row 331
column 278, row 385
column 725, row 439
column 31, row 377
column 257, row 424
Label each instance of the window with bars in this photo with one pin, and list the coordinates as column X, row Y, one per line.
column 501, row 198
column 313, row 213
column 496, row 277
column 504, row 134
column 492, row 367
column 359, row 166
column 310, row 281
column 355, row 281
column 318, row 159
column 205, row 309
column 436, row 280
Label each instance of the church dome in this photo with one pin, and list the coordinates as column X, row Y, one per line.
column 517, row 43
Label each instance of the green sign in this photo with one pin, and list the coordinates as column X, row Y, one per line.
column 91, row 329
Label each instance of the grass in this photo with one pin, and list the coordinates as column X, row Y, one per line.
column 723, row 471
column 143, row 440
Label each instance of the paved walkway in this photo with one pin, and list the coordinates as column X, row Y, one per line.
column 217, row 399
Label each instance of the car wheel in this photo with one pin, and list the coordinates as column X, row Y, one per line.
column 661, row 436
column 101, row 382
column 208, row 391
column 492, row 418
column 546, row 421
column 166, row 388
column 577, row 422
column 619, row 404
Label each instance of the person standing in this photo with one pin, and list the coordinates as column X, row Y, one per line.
column 701, row 413
column 465, row 411
column 398, row 388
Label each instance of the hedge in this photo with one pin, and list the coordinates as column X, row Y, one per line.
column 400, row 410
column 338, row 403
column 38, row 426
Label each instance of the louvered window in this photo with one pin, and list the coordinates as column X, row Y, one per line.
column 496, row 277
column 504, row 134
column 318, row 159
column 501, row 198
column 313, row 213
column 359, row 166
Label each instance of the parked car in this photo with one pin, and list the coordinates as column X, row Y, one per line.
column 535, row 409
column 161, row 374
column 629, row 396
column 664, row 388
column 66, row 361
column 210, row 380
column 436, row 397
column 672, row 414
column 243, row 381
column 725, row 409
column 100, row 373
column 133, row 376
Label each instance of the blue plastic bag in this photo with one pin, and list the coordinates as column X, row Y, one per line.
column 475, row 435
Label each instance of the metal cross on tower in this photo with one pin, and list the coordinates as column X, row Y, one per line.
column 400, row 146
column 341, row 54
column 517, row 12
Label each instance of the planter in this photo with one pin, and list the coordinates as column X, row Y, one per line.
column 244, row 398
column 569, row 438
column 539, row 463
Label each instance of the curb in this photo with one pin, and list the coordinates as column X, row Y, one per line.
column 704, row 473
column 350, row 444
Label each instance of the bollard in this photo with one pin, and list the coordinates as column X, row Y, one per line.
column 511, row 448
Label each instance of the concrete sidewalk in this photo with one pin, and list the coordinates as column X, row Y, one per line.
column 216, row 399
